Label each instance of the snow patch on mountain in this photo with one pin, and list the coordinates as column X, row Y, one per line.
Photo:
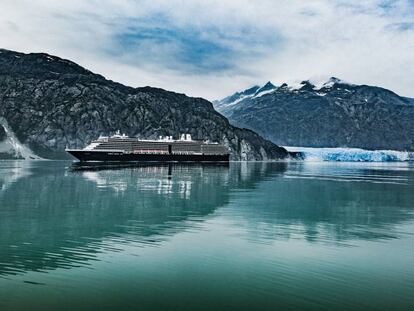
column 267, row 88
column 253, row 92
column 259, row 94
column 294, row 85
column 319, row 84
column 238, row 100
column 316, row 84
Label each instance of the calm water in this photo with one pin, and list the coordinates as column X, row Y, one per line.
column 255, row 236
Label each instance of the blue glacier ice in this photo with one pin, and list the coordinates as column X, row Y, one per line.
column 352, row 154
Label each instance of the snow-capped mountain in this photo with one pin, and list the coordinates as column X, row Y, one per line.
column 331, row 113
column 253, row 92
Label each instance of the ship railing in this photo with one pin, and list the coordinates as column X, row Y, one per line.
column 105, row 150
column 185, row 152
column 144, row 151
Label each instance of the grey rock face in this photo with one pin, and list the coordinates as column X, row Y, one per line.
column 51, row 103
column 2, row 133
column 335, row 114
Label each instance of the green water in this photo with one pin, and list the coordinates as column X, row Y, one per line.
column 250, row 236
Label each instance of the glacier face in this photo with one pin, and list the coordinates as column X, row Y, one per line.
column 352, row 154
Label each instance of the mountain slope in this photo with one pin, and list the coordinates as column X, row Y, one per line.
column 332, row 114
column 253, row 92
column 50, row 103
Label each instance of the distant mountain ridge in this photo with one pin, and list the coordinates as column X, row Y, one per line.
column 254, row 91
column 332, row 113
column 48, row 103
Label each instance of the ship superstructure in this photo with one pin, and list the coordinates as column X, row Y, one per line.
column 123, row 148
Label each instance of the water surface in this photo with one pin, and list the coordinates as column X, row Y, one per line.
column 248, row 236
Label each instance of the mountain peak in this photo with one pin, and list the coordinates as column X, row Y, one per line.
column 334, row 79
column 250, row 91
column 307, row 86
column 47, row 66
column 268, row 87
column 329, row 83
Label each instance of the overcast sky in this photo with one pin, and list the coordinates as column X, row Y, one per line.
column 212, row 48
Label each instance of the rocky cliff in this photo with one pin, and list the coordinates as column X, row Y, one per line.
column 2, row 134
column 49, row 103
column 331, row 114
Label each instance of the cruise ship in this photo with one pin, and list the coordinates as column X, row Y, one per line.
column 121, row 148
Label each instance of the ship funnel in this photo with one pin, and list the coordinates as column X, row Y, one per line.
column 188, row 136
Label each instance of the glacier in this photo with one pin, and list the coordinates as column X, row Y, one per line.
column 352, row 154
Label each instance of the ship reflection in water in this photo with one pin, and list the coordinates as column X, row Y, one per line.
column 206, row 236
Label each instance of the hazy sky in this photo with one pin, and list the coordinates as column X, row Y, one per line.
column 211, row 48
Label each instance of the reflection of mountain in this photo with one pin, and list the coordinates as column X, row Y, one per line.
column 325, row 204
column 11, row 172
column 54, row 217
